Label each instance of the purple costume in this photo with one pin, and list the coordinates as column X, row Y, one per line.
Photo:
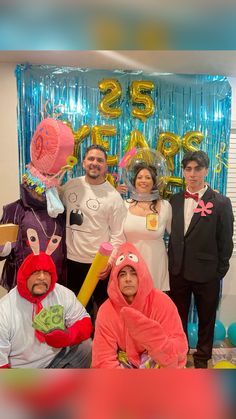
column 29, row 212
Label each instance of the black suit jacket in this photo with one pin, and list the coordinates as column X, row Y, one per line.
column 203, row 253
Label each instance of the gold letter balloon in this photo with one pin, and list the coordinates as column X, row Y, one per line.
column 169, row 145
column 173, row 181
column 112, row 89
column 104, row 130
column 136, row 138
column 78, row 135
column 191, row 140
column 137, row 96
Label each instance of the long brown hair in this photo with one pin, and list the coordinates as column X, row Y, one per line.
column 152, row 170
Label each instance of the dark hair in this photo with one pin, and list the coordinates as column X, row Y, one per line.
column 199, row 157
column 95, row 147
column 153, row 172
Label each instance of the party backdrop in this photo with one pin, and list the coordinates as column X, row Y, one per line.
column 122, row 109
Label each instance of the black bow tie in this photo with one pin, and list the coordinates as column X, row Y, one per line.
column 191, row 195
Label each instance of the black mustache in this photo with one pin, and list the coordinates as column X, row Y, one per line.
column 40, row 283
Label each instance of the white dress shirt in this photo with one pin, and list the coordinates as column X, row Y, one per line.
column 190, row 205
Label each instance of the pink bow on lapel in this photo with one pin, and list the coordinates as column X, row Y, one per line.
column 204, row 209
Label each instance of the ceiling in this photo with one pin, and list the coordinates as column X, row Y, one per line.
column 180, row 62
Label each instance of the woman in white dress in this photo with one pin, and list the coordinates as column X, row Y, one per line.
column 146, row 223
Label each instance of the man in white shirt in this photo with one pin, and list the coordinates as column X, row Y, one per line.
column 95, row 211
column 200, row 247
column 25, row 344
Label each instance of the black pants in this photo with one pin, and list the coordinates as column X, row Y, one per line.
column 206, row 296
column 76, row 356
column 76, row 274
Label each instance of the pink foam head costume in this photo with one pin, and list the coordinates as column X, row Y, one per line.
column 50, row 146
column 51, row 152
column 128, row 255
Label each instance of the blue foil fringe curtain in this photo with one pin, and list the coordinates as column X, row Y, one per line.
column 182, row 103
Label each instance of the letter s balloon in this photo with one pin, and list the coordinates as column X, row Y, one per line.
column 191, row 140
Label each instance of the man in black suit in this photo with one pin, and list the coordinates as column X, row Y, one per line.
column 200, row 247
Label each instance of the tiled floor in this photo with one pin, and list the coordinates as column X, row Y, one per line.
column 225, row 352
column 190, row 362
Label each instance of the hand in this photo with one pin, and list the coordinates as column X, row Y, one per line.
column 122, row 188
column 57, row 338
column 104, row 274
column 73, row 335
column 5, row 250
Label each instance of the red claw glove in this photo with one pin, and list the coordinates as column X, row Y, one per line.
column 79, row 331
column 58, row 338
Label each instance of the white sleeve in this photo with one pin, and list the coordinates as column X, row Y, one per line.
column 5, row 345
column 116, row 221
column 64, row 188
column 6, row 250
column 61, row 192
column 168, row 210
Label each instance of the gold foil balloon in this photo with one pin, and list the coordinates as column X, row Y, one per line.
column 112, row 160
column 136, row 138
column 78, row 135
column 171, row 181
column 168, row 144
column 192, row 140
column 138, row 93
column 113, row 92
column 110, row 178
column 97, row 138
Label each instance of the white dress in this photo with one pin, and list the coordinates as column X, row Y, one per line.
column 150, row 243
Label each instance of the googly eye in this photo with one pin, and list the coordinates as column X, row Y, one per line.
column 133, row 257
column 93, row 204
column 53, row 244
column 72, row 198
column 120, row 260
column 33, row 240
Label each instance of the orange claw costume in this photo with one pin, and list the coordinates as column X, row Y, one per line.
column 149, row 324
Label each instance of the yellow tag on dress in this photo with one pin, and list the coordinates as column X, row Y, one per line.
column 152, row 221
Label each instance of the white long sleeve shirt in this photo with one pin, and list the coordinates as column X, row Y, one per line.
column 95, row 215
column 189, row 207
column 19, row 346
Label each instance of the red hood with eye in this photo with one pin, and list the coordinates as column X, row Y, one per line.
column 31, row 264
column 128, row 255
